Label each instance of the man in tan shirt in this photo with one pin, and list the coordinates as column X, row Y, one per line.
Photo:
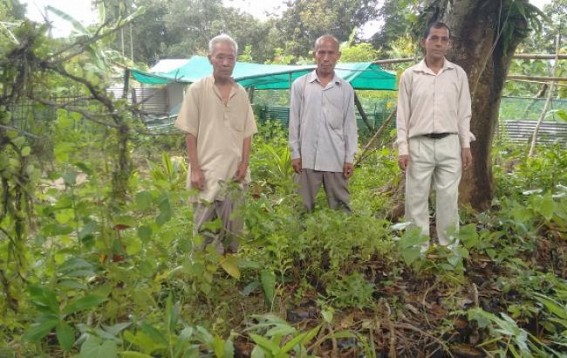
column 433, row 127
column 217, row 117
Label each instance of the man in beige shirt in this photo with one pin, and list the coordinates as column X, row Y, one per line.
column 433, row 127
column 217, row 117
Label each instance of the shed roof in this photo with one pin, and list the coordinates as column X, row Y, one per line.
column 361, row 75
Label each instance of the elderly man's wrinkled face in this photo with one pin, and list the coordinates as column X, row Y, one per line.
column 223, row 59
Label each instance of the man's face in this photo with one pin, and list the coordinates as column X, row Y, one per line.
column 223, row 59
column 326, row 55
column 436, row 43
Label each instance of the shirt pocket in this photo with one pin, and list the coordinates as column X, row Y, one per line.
column 334, row 115
column 333, row 103
column 235, row 119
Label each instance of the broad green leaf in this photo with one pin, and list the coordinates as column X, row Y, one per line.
column 65, row 216
column 258, row 352
column 228, row 349
column 95, row 347
column 76, row 267
column 65, row 335
column 44, row 299
column 144, row 200
column 154, row 333
column 88, row 229
column 144, row 341
column 268, row 280
column 134, row 247
column 229, row 263
column 39, row 330
column 545, row 206
column 83, row 303
column 165, row 211
column 145, row 233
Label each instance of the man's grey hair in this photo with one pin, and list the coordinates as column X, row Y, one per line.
column 222, row 38
column 326, row 37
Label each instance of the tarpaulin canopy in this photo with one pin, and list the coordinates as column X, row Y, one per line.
column 361, row 75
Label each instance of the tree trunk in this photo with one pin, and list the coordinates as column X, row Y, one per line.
column 485, row 35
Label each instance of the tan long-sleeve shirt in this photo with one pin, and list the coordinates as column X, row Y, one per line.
column 433, row 103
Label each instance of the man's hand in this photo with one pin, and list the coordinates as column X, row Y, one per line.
column 197, row 179
column 348, row 170
column 466, row 157
column 296, row 165
column 240, row 174
column 403, row 162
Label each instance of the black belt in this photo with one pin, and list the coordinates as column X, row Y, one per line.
column 437, row 135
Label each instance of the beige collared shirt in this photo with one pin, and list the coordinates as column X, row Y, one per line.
column 220, row 131
column 433, row 103
column 322, row 123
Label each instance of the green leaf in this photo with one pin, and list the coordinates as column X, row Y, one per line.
column 65, row 335
column 44, row 299
column 83, row 303
column 228, row 349
column 39, row 330
column 165, row 211
column 266, row 344
column 131, row 354
column 145, row 233
column 76, row 267
column 300, row 339
column 144, row 200
column 268, row 280
column 545, row 206
column 229, row 263
column 95, row 347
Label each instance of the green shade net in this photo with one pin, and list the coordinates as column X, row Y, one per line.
column 361, row 75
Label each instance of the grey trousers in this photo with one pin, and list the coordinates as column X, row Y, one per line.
column 226, row 238
column 334, row 183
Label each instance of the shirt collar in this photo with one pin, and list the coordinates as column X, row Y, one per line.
column 313, row 77
column 422, row 66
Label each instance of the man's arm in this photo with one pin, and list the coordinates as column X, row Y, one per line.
column 351, row 135
column 294, row 125
column 243, row 165
column 197, row 176
column 402, row 118
column 465, row 114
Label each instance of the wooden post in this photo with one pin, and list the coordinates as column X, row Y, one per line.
column 361, row 111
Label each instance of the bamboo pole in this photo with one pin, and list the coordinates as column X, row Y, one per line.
column 547, row 100
column 525, row 56
column 361, row 111
column 536, row 78
column 378, row 133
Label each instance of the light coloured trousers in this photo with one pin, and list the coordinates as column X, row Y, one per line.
column 434, row 163
column 334, row 183
column 226, row 238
